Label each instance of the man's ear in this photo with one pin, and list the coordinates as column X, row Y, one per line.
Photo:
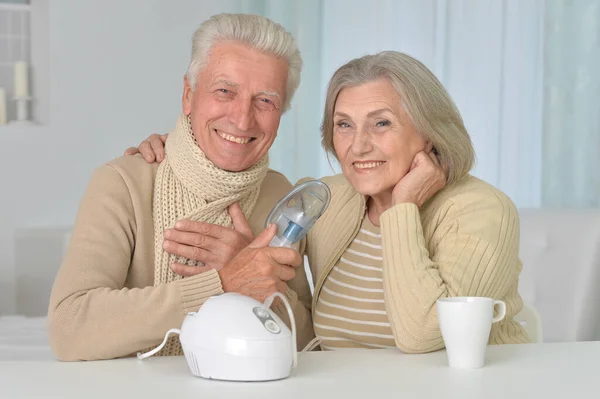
column 186, row 98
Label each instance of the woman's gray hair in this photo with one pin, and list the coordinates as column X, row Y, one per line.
column 428, row 104
column 255, row 31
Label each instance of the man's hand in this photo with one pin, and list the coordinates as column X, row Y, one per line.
column 425, row 178
column 210, row 244
column 152, row 149
column 259, row 270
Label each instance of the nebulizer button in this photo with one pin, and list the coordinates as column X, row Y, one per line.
column 261, row 313
column 272, row 326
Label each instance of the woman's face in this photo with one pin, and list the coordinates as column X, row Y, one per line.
column 374, row 137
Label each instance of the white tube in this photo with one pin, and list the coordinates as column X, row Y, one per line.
column 267, row 304
column 142, row 356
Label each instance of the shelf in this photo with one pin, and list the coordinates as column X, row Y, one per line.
column 15, row 7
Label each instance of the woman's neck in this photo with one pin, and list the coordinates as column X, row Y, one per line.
column 378, row 204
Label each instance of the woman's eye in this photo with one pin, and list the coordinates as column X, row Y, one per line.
column 343, row 125
column 382, row 123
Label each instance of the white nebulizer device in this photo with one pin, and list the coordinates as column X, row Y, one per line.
column 298, row 211
column 234, row 337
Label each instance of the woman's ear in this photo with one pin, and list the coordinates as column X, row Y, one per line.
column 428, row 147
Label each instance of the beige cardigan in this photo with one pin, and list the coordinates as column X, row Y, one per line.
column 463, row 242
column 103, row 303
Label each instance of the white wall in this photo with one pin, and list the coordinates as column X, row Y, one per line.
column 116, row 70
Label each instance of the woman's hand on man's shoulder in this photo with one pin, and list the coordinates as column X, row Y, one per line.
column 152, row 148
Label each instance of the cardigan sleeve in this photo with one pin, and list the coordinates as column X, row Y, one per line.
column 474, row 252
column 92, row 315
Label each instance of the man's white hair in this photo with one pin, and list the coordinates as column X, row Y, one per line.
column 254, row 31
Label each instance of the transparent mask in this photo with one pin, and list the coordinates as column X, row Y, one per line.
column 298, row 211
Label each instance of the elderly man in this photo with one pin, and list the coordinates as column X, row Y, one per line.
column 120, row 287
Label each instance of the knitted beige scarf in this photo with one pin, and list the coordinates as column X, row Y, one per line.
column 189, row 186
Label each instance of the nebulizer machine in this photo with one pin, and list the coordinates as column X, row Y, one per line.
column 236, row 338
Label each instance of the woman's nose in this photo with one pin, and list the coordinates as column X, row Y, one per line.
column 361, row 143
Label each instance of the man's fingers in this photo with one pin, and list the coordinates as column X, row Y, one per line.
column 286, row 256
column 207, row 229
column 188, row 271
column 286, row 272
column 164, row 137
column 264, row 238
column 188, row 251
column 281, row 287
column 192, row 239
column 238, row 218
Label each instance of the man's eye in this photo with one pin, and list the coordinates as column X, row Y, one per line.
column 266, row 104
column 224, row 91
column 343, row 125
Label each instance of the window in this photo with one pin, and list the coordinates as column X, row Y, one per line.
column 15, row 40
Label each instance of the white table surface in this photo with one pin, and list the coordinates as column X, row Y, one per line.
column 556, row 370
column 24, row 338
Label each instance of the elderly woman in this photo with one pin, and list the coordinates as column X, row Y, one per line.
column 407, row 224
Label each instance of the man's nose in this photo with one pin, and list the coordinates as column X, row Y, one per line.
column 241, row 114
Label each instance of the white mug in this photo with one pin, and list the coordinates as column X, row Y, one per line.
column 465, row 323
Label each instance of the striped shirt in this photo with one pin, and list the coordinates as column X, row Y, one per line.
column 350, row 311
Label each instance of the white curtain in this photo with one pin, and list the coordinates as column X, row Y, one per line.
column 297, row 146
column 488, row 54
column 571, row 142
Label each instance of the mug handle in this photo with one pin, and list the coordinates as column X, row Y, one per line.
column 501, row 311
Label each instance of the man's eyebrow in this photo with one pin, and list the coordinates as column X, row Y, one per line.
column 269, row 93
column 260, row 93
column 227, row 82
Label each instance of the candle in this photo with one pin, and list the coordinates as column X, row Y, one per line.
column 21, row 79
column 2, row 106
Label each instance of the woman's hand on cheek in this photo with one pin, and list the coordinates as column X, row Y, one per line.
column 425, row 178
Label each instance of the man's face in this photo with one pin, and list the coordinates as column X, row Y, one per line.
column 237, row 104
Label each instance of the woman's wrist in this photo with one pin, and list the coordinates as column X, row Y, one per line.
column 404, row 199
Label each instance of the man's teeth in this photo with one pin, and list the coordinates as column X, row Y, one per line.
column 367, row 165
column 234, row 139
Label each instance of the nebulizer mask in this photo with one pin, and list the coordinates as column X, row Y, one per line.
column 234, row 337
column 298, row 211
